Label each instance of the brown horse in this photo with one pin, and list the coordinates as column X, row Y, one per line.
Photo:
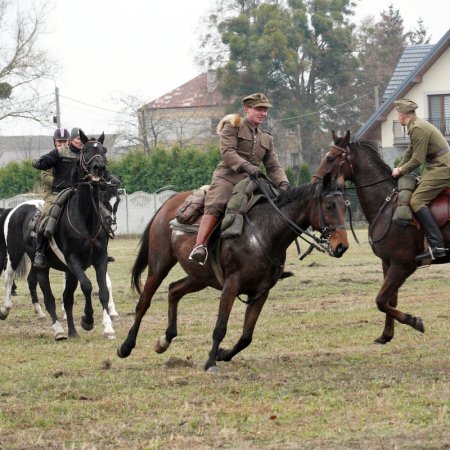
column 396, row 244
column 250, row 264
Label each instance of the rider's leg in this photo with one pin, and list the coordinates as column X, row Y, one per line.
column 436, row 246
column 40, row 260
column 200, row 253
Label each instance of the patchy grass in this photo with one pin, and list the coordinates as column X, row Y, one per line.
column 311, row 378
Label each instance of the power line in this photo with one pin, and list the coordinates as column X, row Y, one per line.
column 97, row 107
column 321, row 110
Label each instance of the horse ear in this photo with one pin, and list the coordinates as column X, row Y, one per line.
column 347, row 137
column 83, row 137
column 333, row 135
column 101, row 138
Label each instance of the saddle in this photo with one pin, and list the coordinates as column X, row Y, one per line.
column 49, row 222
column 440, row 207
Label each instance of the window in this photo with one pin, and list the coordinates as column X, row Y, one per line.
column 439, row 107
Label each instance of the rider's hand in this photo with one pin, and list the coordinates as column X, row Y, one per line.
column 250, row 169
column 396, row 172
column 35, row 163
column 284, row 186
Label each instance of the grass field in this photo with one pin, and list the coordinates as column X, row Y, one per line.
column 311, row 379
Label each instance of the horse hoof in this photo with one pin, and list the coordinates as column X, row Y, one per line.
column 109, row 335
column 43, row 317
column 161, row 344
column 381, row 341
column 86, row 326
column 3, row 314
column 60, row 336
column 121, row 353
column 213, row 369
column 418, row 324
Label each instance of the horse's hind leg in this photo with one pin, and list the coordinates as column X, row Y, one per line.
column 111, row 306
column 9, row 278
column 177, row 290
column 32, row 285
column 252, row 313
column 151, row 285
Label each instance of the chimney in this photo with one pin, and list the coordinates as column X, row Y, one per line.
column 211, row 81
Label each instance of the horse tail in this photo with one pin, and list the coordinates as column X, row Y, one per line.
column 142, row 258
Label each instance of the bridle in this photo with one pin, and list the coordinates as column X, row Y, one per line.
column 322, row 244
column 84, row 163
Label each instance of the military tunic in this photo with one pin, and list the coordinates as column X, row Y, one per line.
column 425, row 141
column 240, row 143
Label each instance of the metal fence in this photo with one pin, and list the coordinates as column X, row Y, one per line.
column 133, row 214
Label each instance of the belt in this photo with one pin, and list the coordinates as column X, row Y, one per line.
column 440, row 152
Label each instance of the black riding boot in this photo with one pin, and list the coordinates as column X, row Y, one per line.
column 40, row 260
column 436, row 247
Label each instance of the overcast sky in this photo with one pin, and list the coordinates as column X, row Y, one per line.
column 110, row 48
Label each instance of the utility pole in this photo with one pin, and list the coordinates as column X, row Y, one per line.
column 58, row 111
column 377, row 99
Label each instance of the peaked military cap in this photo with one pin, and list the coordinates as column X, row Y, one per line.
column 255, row 100
column 405, row 105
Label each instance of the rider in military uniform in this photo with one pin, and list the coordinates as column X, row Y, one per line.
column 427, row 145
column 57, row 168
column 243, row 147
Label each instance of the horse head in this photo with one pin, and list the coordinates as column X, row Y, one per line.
column 329, row 216
column 338, row 160
column 92, row 161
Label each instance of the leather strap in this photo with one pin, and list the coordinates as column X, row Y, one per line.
column 440, row 152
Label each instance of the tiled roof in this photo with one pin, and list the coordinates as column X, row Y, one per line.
column 201, row 91
column 411, row 57
column 405, row 84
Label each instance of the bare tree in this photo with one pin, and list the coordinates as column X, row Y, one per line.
column 22, row 62
column 140, row 127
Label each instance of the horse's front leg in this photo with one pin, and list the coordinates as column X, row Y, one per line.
column 252, row 313
column 111, row 306
column 70, row 285
column 50, row 304
column 387, row 300
column 87, row 321
column 389, row 324
column 100, row 272
column 177, row 290
column 229, row 292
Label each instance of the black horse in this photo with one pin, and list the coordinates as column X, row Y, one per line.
column 396, row 244
column 80, row 241
column 250, row 264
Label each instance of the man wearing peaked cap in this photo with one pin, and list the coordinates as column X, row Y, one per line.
column 426, row 146
column 244, row 145
column 405, row 106
column 257, row 100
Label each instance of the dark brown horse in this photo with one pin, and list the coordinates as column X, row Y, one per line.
column 396, row 244
column 250, row 264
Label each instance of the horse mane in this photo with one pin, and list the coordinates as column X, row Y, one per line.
column 373, row 148
column 301, row 193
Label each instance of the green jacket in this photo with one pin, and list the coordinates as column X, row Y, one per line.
column 425, row 140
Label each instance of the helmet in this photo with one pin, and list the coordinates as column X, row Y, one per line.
column 61, row 134
column 75, row 132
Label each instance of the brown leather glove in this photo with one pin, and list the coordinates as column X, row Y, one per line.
column 250, row 169
column 284, row 186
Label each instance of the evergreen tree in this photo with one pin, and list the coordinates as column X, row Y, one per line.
column 419, row 35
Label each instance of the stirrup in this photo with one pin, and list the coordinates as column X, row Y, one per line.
column 432, row 253
column 199, row 254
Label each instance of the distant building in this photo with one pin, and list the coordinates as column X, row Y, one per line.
column 422, row 74
column 189, row 115
column 19, row 148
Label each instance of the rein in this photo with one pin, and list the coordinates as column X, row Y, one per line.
column 317, row 243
